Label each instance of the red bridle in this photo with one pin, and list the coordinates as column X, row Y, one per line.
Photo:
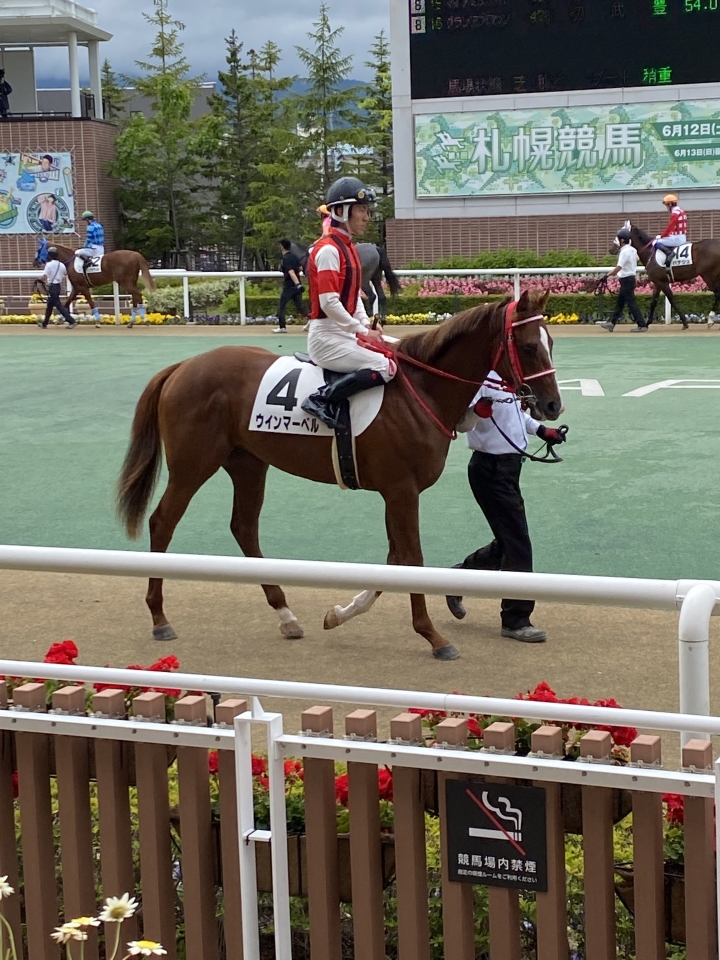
column 507, row 345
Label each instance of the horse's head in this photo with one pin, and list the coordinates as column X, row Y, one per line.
column 41, row 256
column 526, row 355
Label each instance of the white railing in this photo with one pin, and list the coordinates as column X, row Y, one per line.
column 280, row 745
column 696, row 600
column 242, row 276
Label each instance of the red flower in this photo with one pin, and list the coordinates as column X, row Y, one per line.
column 65, row 652
column 165, row 664
column 474, row 728
column 341, row 789
column 294, row 768
column 264, row 782
column 213, row 764
column 259, row 766
column 385, row 783
column 675, row 803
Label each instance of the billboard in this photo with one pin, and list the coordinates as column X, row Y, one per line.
column 36, row 193
column 610, row 147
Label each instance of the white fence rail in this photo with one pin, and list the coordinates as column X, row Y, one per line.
column 696, row 601
column 242, row 276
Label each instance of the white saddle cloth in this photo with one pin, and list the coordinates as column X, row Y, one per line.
column 94, row 267
column 286, row 383
column 682, row 257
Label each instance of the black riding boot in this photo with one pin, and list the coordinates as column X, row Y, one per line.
column 323, row 404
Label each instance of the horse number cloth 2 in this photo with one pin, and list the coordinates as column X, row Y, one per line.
column 94, row 267
column 278, row 404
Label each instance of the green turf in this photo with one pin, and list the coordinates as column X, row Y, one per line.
column 636, row 495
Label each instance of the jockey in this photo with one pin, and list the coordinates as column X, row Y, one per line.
column 674, row 234
column 337, row 313
column 94, row 242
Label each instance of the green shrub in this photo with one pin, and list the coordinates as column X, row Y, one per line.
column 205, row 295
column 503, row 259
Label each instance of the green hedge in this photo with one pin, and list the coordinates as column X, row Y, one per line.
column 584, row 304
column 502, row 259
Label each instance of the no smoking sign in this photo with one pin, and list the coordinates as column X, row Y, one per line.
column 496, row 835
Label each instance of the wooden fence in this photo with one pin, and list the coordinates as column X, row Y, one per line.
column 82, row 819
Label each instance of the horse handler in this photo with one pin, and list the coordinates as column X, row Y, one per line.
column 625, row 271
column 499, row 433
column 53, row 275
column 337, row 314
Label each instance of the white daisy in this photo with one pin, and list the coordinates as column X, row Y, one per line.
column 117, row 909
column 5, row 889
column 68, row 932
column 145, row 948
column 83, row 922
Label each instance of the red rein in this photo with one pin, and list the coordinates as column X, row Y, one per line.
column 508, row 345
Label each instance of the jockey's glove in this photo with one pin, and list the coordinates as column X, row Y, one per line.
column 551, row 436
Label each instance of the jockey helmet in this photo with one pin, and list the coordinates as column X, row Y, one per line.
column 670, row 198
column 346, row 191
column 88, row 215
column 323, row 210
column 624, row 234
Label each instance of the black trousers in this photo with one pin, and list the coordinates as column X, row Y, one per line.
column 495, row 483
column 288, row 294
column 55, row 303
column 626, row 298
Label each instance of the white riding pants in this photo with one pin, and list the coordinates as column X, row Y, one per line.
column 675, row 241
column 334, row 349
column 95, row 250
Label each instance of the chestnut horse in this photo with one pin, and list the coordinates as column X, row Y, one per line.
column 200, row 409
column 122, row 266
column 706, row 265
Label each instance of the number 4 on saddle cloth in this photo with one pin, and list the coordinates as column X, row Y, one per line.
column 278, row 409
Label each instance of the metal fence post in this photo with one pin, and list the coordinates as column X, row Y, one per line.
column 246, row 826
column 516, row 284
column 694, row 653
column 116, row 301
column 243, row 310
column 668, row 310
column 186, row 297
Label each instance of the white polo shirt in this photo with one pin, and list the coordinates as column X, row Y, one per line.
column 627, row 260
column 508, row 415
column 55, row 271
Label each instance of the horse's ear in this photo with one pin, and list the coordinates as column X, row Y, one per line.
column 524, row 302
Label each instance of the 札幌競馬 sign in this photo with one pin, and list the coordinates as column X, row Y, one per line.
column 496, row 835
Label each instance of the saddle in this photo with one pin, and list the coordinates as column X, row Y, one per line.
column 344, row 441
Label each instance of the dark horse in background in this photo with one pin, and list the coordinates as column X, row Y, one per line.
column 123, row 266
column 375, row 264
column 706, row 265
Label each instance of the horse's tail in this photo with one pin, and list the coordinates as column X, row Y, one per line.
column 393, row 281
column 142, row 461
column 147, row 277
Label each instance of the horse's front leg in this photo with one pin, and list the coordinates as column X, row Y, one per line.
column 673, row 306
column 653, row 303
column 403, row 528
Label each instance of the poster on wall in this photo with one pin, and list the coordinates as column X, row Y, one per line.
column 611, row 147
column 36, row 193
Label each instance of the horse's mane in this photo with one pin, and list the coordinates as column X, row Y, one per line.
column 642, row 236
column 428, row 346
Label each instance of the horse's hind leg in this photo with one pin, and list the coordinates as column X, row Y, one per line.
column 186, row 478
column 248, row 476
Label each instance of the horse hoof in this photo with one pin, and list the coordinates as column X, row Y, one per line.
column 292, row 630
column 165, row 632
column 331, row 620
column 448, row 652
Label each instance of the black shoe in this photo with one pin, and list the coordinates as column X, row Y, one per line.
column 323, row 403
column 528, row 634
column 455, row 604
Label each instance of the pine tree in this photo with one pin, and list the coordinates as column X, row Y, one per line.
column 156, row 159
column 115, row 96
column 376, row 122
column 326, row 111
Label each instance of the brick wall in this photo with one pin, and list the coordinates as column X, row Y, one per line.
column 432, row 239
column 91, row 143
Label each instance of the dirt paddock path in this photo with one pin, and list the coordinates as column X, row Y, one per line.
column 228, row 629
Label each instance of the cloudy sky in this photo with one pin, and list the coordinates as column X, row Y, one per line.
column 208, row 23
